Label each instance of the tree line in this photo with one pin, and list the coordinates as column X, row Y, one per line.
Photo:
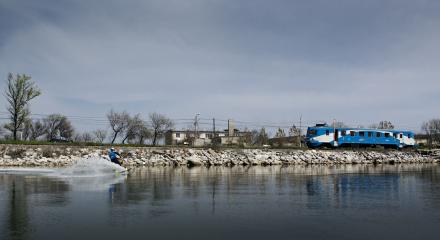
column 133, row 129
column 57, row 127
column 126, row 128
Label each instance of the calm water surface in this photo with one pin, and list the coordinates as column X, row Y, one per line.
column 298, row 202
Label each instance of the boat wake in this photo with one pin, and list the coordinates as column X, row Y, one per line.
column 90, row 168
column 85, row 175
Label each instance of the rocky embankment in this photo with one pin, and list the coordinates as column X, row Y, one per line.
column 56, row 156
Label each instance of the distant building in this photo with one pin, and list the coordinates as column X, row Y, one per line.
column 230, row 136
column 187, row 137
column 291, row 141
column 425, row 140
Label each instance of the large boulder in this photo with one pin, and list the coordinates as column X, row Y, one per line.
column 194, row 160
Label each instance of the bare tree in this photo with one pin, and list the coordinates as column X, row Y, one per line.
column 134, row 124
column 65, row 128
column 77, row 137
column 386, row 125
column 280, row 133
column 143, row 133
column 262, row 137
column 338, row 125
column 27, row 129
column 118, row 122
column 37, row 130
column 33, row 129
column 293, row 131
column 280, row 136
column 160, row 124
column 254, row 136
column 190, row 137
column 383, row 125
column 84, row 137
column 432, row 130
column 58, row 126
column 246, row 138
column 19, row 92
column 2, row 131
column 100, row 135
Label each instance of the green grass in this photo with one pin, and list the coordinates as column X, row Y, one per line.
column 232, row 147
column 94, row 144
column 82, row 144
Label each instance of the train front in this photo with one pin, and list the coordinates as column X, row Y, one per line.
column 311, row 141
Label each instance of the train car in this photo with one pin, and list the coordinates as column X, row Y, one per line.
column 326, row 136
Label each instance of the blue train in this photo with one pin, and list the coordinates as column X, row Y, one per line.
column 325, row 136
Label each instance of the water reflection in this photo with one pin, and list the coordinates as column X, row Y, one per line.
column 160, row 184
column 19, row 190
column 313, row 187
column 186, row 197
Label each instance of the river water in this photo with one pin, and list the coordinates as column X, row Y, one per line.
column 295, row 202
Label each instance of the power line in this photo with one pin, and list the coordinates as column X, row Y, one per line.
column 100, row 120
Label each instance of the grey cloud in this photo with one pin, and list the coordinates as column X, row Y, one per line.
column 357, row 61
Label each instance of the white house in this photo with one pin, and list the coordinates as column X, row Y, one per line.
column 203, row 138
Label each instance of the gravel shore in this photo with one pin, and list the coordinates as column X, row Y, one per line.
column 57, row 156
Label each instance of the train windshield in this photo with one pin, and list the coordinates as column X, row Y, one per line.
column 311, row 132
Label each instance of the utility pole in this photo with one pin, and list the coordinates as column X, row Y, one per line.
column 196, row 125
column 213, row 127
column 335, row 135
column 300, row 128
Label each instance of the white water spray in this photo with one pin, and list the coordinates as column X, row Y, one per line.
column 91, row 174
column 91, row 167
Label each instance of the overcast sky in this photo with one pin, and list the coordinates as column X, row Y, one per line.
column 258, row 61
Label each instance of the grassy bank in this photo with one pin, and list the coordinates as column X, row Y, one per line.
column 108, row 145
column 94, row 144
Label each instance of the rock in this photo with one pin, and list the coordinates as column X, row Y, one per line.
column 62, row 156
column 193, row 161
column 191, row 151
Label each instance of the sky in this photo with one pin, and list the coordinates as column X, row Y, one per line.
column 259, row 62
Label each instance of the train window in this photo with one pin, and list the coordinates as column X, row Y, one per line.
column 387, row 134
column 409, row 135
column 378, row 134
column 370, row 134
column 312, row 131
column 343, row 133
column 395, row 135
column 401, row 135
column 352, row 133
column 327, row 132
column 361, row 134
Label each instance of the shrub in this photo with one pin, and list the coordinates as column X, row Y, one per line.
column 47, row 152
column 17, row 153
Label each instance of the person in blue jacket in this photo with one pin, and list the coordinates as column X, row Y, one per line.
column 114, row 156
